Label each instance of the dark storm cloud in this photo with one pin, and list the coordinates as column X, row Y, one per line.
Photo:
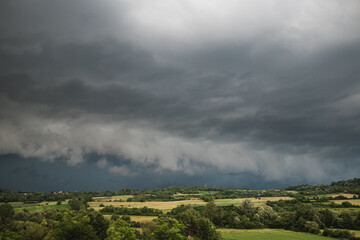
column 272, row 100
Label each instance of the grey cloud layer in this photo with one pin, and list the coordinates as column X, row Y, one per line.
column 99, row 81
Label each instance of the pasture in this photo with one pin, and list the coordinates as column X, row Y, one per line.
column 141, row 219
column 352, row 201
column 164, row 206
column 268, row 234
column 168, row 205
column 36, row 207
column 112, row 198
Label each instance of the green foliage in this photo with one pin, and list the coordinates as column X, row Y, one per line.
column 75, row 226
column 99, row 224
column 343, row 234
column 6, row 212
column 168, row 228
column 210, row 210
column 121, row 230
column 78, row 203
column 33, row 230
column 144, row 211
column 198, row 226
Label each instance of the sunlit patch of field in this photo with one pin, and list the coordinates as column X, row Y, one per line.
column 141, row 219
column 208, row 192
column 164, row 206
column 356, row 232
column 257, row 202
column 352, row 201
column 187, row 194
column 112, row 198
column 268, row 234
column 167, row 206
column 294, row 192
column 347, row 195
column 36, row 207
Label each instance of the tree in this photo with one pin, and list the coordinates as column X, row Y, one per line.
column 121, row 230
column 76, row 227
column 6, row 212
column 210, row 210
column 99, row 223
column 198, row 226
column 10, row 235
column 247, row 207
column 77, row 204
column 33, row 231
column 168, row 228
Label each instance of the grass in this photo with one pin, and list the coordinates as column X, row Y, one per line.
column 347, row 195
column 40, row 207
column 356, row 232
column 352, row 201
column 268, row 234
column 167, row 206
column 119, row 197
column 257, row 202
column 141, row 219
column 164, row 206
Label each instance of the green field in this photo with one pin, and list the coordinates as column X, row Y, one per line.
column 268, row 234
column 112, row 198
column 36, row 207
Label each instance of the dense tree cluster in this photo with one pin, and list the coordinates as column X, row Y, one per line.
column 144, row 211
column 87, row 224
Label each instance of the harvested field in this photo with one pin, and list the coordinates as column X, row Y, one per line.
column 347, row 195
column 167, row 206
column 352, row 201
column 142, row 218
column 112, row 198
column 164, row 206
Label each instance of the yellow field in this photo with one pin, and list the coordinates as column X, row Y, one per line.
column 167, row 206
column 257, row 202
column 342, row 194
column 136, row 218
column 120, row 197
column 142, row 218
column 352, row 201
column 186, row 194
column 164, row 206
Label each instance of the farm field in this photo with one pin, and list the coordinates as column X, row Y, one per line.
column 257, row 202
column 141, row 219
column 112, row 198
column 268, row 234
column 347, row 195
column 35, row 207
column 167, row 206
column 164, row 206
column 352, row 201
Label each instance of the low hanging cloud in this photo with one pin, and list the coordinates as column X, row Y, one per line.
column 149, row 149
column 266, row 89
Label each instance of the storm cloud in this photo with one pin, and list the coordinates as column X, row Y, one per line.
column 194, row 88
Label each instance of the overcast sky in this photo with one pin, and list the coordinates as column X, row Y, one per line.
column 110, row 94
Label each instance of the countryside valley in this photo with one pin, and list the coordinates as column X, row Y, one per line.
column 294, row 212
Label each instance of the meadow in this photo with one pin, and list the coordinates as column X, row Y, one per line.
column 36, row 207
column 268, row 234
column 168, row 205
